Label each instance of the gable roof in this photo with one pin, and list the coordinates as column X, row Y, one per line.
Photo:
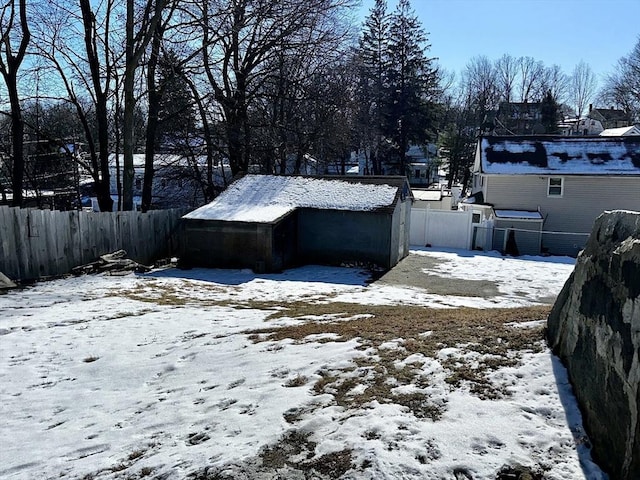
column 267, row 198
column 607, row 113
column 620, row 132
column 547, row 155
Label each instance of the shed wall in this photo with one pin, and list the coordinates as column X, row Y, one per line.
column 209, row 243
column 330, row 236
column 400, row 232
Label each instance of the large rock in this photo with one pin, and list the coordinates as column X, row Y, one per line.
column 594, row 328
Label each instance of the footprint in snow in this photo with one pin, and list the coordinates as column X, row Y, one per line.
column 235, row 383
column 197, row 438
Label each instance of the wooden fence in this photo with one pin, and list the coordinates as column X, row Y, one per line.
column 42, row 243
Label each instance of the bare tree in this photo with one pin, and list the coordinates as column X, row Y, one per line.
column 530, row 76
column 14, row 27
column 480, row 86
column 85, row 65
column 554, row 80
column 136, row 43
column 583, row 87
column 622, row 87
column 506, row 77
column 238, row 39
column 155, row 93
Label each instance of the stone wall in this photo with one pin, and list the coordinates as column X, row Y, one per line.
column 594, row 328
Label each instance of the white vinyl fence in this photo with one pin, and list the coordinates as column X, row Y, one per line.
column 41, row 243
column 441, row 228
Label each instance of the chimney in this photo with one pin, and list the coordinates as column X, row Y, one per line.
column 590, row 107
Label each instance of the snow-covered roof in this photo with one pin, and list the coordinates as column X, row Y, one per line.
column 544, row 155
column 621, row 131
column 518, row 214
column 428, row 195
column 266, row 198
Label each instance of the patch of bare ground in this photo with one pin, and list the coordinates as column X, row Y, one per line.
column 292, row 457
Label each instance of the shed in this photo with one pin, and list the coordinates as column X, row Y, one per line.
column 269, row 223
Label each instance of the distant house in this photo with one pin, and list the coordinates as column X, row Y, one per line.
column 549, row 190
column 269, row 223
column 519, row 118
column 580, row 127
column 621, row 132
column 422, row 165
column 609, row 117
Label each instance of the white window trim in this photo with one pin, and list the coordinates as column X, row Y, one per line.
column 549, row 195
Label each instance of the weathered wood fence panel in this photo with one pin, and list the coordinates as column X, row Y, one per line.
column 41, row 243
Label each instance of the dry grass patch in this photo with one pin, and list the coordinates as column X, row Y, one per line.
column 164, row 294
column 297, row 381
column 490, row 336
column 449, row 327
column 297, row 445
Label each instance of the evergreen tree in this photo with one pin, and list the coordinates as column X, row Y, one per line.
column 550, row 112
column 176, row 114
column 411, row 85
column 374, row 60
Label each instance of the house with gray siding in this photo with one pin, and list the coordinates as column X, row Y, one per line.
column 270, row 223
column 549, row 190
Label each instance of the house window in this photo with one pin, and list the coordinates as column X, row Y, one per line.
column 417, row 173
column 555, row 187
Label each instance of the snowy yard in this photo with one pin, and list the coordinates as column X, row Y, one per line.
column 309, row 374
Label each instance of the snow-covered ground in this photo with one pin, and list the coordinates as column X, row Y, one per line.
column 156, row 375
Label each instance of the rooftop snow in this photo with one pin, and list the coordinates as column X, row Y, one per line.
column 519, row 214
column 620, row 132
column 560, row 155
column 427, row 195
column 266, row 198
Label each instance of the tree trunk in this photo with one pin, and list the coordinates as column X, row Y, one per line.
column 208, row 187
column 234, row 142
column 128, row 173
column 104, row 194
column 17, row 139
column 9, row 67
column 152, row 121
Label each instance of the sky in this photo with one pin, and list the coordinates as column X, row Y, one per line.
column 561, row 32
